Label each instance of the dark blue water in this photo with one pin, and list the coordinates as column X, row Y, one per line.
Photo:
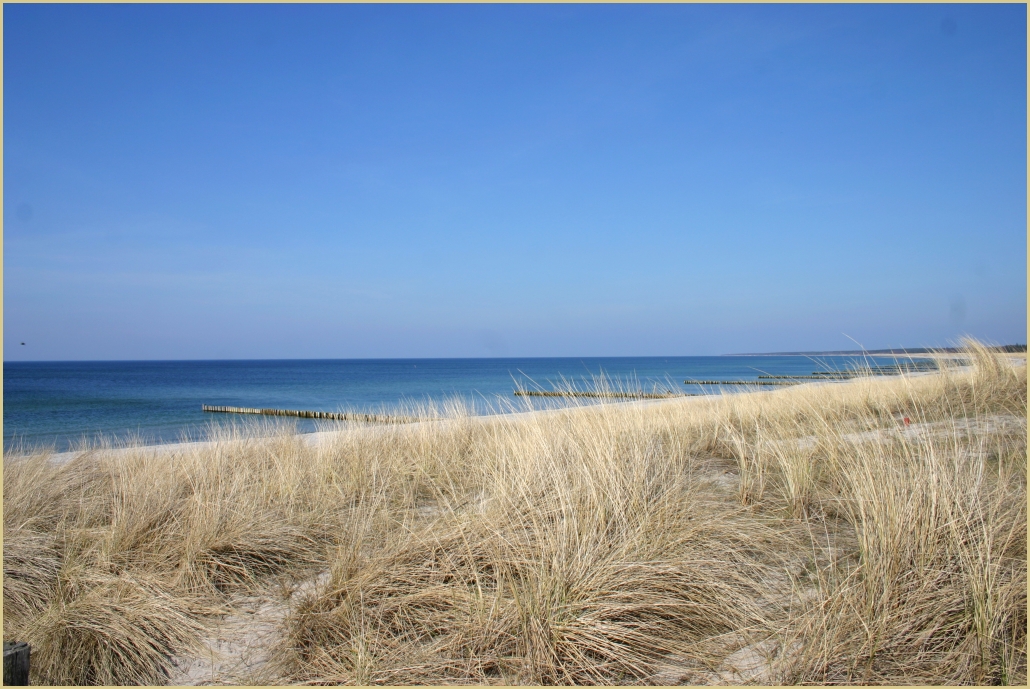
column 61, row 403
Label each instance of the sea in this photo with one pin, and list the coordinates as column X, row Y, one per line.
column 69, row 405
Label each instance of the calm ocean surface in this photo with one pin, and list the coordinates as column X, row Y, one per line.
column 62, row 403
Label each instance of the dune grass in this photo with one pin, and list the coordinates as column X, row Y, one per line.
column 805, row 535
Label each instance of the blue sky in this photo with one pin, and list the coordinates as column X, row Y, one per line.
column 323, row 181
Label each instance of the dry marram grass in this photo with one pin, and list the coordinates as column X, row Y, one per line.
column 804, row 535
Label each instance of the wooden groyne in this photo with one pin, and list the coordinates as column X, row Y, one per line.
column 332, row 416
column 811, row 377
column 620, row 395
column 893, row 370
column 739, row 382
column 828, row 376
column 877, row 371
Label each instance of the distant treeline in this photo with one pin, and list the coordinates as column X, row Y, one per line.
column 1008, row 349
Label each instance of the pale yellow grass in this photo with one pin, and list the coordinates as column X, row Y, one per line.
column 804, row 535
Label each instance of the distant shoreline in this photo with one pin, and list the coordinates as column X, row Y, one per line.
column 1007, row 349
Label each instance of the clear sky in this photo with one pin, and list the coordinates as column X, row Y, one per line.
column 334, row 181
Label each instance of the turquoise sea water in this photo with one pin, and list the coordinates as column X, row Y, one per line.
column 62, row 403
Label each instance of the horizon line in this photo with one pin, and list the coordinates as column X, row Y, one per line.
column 896, row 350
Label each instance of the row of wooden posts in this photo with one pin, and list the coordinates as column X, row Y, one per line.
column 892, row 370
column 738, row 382
column 334, row 416
column 382, row 418
column 577, row 393
column 841, row 376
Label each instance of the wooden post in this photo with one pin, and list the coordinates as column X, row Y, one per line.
column 16, row 663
